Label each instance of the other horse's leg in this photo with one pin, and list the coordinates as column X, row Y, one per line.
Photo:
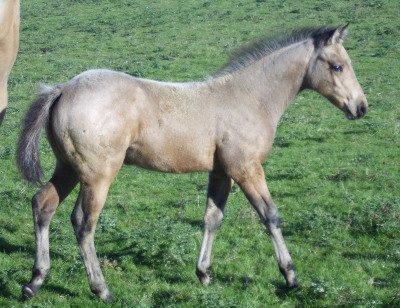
column 219, row 185
column 3, row 100
column 2, row 115
column 44, row 205
column 255, row 188
column 91, row 199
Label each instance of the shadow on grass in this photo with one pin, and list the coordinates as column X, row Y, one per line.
column 196, row 223
column 60, row 290
column 8, row 248
column 316, row 139
column 170, row 277
column 163, row 298
column 354, row 132
column 303, row 295
column 289, row 175
column 240, row 283
column 282, row 291
column 368, row 255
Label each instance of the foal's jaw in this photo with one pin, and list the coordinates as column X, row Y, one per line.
column 353, row 108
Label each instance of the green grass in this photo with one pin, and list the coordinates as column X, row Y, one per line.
column 336, row 182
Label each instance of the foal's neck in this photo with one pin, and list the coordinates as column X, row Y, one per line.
column 275, row 80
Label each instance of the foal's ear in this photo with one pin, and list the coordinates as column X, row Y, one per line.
column 335, row 36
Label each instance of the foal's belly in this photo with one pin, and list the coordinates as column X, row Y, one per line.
column 173, row 158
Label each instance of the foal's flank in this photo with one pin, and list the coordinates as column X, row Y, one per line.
column 224, row 126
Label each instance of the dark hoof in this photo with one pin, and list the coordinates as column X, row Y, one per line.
column 105, row 295
column 203, row 277
column 109, row 299
column 29, row 291
column 293, row 285
column 205, row 280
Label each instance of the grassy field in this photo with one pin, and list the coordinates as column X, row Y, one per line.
column 336, row 182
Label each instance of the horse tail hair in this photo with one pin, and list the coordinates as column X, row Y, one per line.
column 28, row 148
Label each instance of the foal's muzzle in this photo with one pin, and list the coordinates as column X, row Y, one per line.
column 359, row 111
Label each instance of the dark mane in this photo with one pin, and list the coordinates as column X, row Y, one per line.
column 257, row 50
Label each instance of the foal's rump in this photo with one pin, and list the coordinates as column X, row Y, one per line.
column 84, row 118
column 95, row 119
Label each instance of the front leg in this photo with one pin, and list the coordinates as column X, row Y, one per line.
column 219, row 185
column 255, row 188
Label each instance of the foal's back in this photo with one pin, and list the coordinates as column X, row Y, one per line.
column 104, row 118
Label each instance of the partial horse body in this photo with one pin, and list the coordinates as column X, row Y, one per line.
column 9, row 39
column 225, row 126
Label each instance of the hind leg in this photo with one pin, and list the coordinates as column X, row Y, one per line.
column 92, row 197
column 219, row 185
column 44, row 205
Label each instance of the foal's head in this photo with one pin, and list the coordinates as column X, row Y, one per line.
column 330, row 73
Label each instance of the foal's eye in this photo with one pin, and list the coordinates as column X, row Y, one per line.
column 337, row 68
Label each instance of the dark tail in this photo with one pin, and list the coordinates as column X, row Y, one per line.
column 28, row 150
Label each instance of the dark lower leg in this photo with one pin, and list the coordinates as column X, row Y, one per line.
column 218, row 191
column 256, row 191
column 282, row 254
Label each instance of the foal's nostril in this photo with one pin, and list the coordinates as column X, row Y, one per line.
column 361, row 110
